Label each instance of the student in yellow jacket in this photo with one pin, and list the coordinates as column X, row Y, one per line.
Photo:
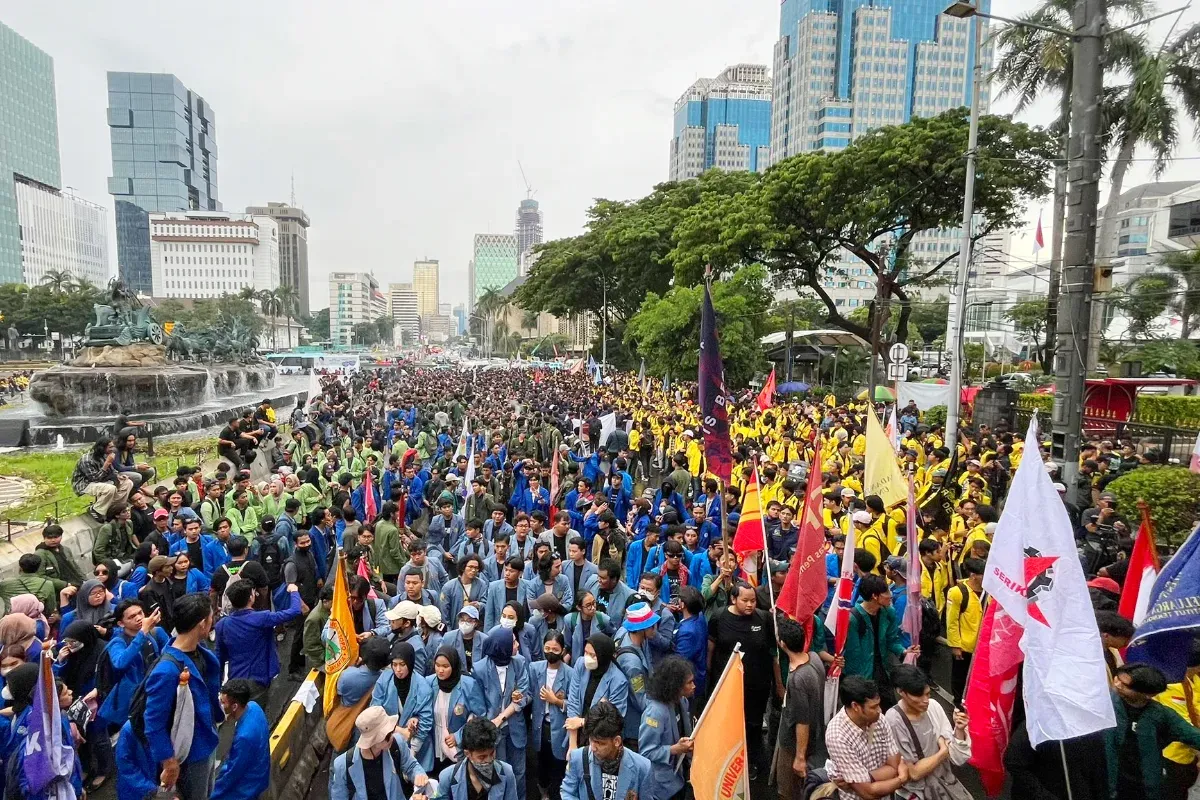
column 964, row 612
column 979, row 531
column 869, row 539
column 1179, row 760
column 935, row 571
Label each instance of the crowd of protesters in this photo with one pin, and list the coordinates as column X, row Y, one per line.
column 543, row 604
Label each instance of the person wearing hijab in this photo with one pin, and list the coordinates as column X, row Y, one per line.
column 456, row 697
column 93, row 605
column 33, row 608
column 18, row 693
column 550, row 683
column 21, row 684
column 504, row 679
column 404, row 693
column 595, row 680
column 79, row 654
column 18, row 629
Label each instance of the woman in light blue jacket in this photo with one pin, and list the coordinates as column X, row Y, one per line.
column 550, row 683
column 402, row 692
column 597, row 677
column 514, row 617
column 456, row 698
column 667, row 723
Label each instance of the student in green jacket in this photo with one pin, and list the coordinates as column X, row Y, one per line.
column 1137, row 772
column 30, row 582
column 388, row 551
column 874, row 628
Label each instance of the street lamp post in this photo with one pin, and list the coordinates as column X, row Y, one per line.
column 955, row 328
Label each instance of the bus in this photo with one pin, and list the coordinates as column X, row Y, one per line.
column 304, row 363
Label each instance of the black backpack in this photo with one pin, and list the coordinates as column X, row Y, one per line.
column 104, row 675
column 395, row 752
column 137, row 705
column 270, row 555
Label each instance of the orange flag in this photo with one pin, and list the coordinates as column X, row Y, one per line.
column 719, row 754
column 750, row 540
column 341, row 649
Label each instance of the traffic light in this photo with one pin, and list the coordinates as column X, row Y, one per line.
column 1102, row 280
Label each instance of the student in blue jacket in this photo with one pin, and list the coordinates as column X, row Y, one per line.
column 550, row 683
column 510, row 587
column 480, row 773
column 469, row 588
column 597, row 678
column 606, row 754
column 192, row 579
column 246, row 771
column 503, row 677
column 405, row 695
column 93, row 604
column 456, row 699
column 377, row 739
column 515, row 618
column 136, row 643
column 193, row 777
column 665, row 732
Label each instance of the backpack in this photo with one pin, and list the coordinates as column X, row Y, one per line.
column 235, row 575
column 137, row 705
column 395, row 753
column 104, row 675
column 270, row 555
column 884, row 552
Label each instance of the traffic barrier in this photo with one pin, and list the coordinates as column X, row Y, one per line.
column 298, row 742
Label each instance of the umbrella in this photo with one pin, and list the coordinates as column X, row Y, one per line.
column 939, row 381
column 793, row 387
column 881, row 393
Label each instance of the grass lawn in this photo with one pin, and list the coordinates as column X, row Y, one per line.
column 51, row 475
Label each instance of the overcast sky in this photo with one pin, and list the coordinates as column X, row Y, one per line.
column 403, row 122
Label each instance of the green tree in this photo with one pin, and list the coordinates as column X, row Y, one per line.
column 318, row 325
column 385, row 328
column 1144, row 301
column 1029, row 318
column 1184, row 270
column 929, row 318
column 809, row 213
column 58, row 281
column 271, row 307
column 487, row 308
column 666, row 330
column 289, row 307
column 808, row 313
column 1167, row 355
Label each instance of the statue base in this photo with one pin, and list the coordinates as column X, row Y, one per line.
column 141, row 385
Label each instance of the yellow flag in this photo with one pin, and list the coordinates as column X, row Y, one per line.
column 719, row 755
column 341, row 648
column 882, row 474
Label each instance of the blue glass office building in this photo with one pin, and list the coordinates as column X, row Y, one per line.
column 723, row 122
column 164, row 154
column 28, row 137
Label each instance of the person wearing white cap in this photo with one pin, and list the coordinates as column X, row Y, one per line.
column 403, row 618
column 364, row 773
column 466, row 639
column 432, row 631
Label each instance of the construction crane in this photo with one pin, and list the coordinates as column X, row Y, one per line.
column 529, row 190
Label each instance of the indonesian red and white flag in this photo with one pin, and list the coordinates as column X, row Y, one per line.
column 1143, row 571
column 893, row 430
column 991, row 695
column 1195, row 465
column 838, row 618
column 1033, row 572
column 767, row 396
column 1038, row 241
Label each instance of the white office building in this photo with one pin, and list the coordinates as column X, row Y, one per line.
column 1141, row 234
column 354, row 297
column 202, row 254
column 61, row 232
column 404, row 304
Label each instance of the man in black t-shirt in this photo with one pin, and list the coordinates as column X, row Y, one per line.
column 743, row 623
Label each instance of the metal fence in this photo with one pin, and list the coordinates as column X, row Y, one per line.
column 35, row 517
column 1171, row 442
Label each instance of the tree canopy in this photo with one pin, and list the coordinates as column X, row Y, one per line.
column 666, row 329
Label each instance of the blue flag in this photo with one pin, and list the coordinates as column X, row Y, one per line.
column 49, row 760
column 1173, row 616
column 714, row 413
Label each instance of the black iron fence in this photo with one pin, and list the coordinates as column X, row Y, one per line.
column 1170, row 442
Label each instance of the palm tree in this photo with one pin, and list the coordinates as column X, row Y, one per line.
column 1034, row 61
column 289, row 306
column 1182, row 281
column 268, row 303
column 487, row 306
column 500, row 335
column 59, row 281
column 529, row 321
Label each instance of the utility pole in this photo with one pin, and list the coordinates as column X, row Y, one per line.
column 1079, row 248
column 876, row 335
column 791, row 333
column 958, row 305
column 604, row 324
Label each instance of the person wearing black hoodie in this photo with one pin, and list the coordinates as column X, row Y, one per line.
column 301, row 569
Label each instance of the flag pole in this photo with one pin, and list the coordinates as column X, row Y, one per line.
column 1066, row 772
column 762, row 523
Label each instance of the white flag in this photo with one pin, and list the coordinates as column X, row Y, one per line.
column 465, row 491
column 461, row 450
column 608, row 424
column 1033, row 571
column 893, row 429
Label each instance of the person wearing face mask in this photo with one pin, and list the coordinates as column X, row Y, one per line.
column 510, row 588
column 547, row 614
column 597, row 680
column 467, row 640
column 404, row 693
column 480, row 775
column 550, row 683
column 513, row 617
column 378, row 766
column 504, row 680
column 606, row 767
column 456, row 698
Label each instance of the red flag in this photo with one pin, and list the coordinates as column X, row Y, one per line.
column 1143, row 570
column 991, row 693
column 767, row 395
column 365, row 572
column 369, row 497
column 1038, row 241
column 751, row 537
column 806, row 584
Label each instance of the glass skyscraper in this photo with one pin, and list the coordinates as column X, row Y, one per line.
column 494, row 264
column 723, row 122
column 845, row 67
column 529, row 226
column 28, row 137
column 164, row 153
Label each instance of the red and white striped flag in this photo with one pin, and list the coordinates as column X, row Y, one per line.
column 1143, row 571
column 1038, row 241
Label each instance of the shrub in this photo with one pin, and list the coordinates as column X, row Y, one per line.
column 935, row 416
column 1043, row 403
column 1175, row 410
column 1173, row 494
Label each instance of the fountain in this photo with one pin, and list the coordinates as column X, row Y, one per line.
column 181, row 381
